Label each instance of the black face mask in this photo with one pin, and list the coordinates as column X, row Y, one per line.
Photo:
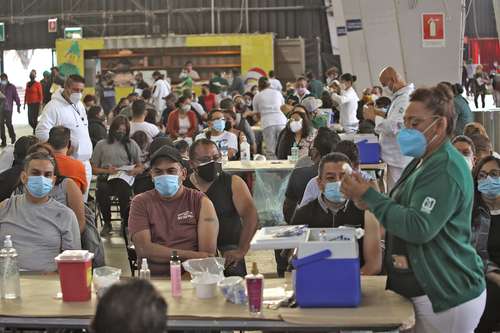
column 229, row 126
column 210, row 171
column 119, row 136
column 32, row 77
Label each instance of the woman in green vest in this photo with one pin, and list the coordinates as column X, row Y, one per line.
column 429, row 257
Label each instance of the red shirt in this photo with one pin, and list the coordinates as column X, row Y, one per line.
column 34, row 94
column 173, row 224
column 209, row 101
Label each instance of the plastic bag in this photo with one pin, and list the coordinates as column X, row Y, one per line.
column 211, row 265
column 269, row 194
column 233, row 290
column 104, row 277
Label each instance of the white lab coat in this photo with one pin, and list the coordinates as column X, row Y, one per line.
column 348, row 106
column 389, row 127
column 58, row 112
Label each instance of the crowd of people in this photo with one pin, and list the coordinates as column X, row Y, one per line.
column 160, row 153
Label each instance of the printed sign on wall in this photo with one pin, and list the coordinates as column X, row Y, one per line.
column 433, row 30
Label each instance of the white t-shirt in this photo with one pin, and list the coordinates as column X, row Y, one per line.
column 276, row 84
column 150, row 129
column 268, row 102
column 230, row 138
column 184, row 125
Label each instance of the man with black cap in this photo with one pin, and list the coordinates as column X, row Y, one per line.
column 172, row 217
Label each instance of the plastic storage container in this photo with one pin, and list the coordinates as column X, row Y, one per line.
column 368, row 146
column 327, row 271
column 75, row 274
column 369, row 153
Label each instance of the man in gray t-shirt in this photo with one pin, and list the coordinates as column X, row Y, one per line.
column 40, row 227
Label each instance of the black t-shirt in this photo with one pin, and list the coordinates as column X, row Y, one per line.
column 221, row 195
column 315, row 216
column 9, row 179
column 494, row 239
column 297, row 186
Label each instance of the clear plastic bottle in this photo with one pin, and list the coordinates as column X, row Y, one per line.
column 175, row 275
column 10, row 285
column 224, row 151
column 144, row 272
column 295, row 152
column 244, row 149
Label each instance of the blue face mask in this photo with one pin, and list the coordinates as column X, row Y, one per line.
column 412, row 142
column 39, row 186
column 489, row 187
column 219, row 125
column 167, row 185
column 332, row 192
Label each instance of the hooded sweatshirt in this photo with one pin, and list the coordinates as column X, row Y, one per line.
column 60, row 112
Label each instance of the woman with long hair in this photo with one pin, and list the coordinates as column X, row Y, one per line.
column 116, row 160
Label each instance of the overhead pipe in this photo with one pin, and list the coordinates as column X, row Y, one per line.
column 212, row 13
column 94, row 13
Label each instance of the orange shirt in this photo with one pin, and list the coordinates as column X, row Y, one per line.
column 71, row 168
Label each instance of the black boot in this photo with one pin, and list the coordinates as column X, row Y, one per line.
column 106, row 229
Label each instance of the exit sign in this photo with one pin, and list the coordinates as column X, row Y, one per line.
column 73, row 32
column 2, row 32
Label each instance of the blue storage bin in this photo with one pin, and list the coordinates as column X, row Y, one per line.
column 323, row 282
column 369, row 153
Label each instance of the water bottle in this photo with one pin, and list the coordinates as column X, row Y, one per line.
column 10, row 285
column 295, row 152
column 244, row 149
column 144, row 273
column 224, row 150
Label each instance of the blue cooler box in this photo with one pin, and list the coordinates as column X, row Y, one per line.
column 330, row 277
column 368, row 146
column 369, row 153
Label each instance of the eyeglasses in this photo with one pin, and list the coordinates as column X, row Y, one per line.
column 412, row 122
column 208, row 159
column 483, row 174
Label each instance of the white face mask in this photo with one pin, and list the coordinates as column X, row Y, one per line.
column 186, row 107
column 387, row 92
column 470, row 161
column 295, row 125
column 75, row 97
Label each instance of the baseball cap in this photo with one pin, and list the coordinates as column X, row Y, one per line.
column 167, row 152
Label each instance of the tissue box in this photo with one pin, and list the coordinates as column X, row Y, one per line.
column 327, row 271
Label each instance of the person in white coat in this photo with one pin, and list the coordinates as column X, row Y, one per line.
column 388, row 125
column 161, row 89
column 266, row 104
column 66, row 109
column 348, row 103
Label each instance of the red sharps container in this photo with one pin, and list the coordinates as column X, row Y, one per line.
column 75, row 274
